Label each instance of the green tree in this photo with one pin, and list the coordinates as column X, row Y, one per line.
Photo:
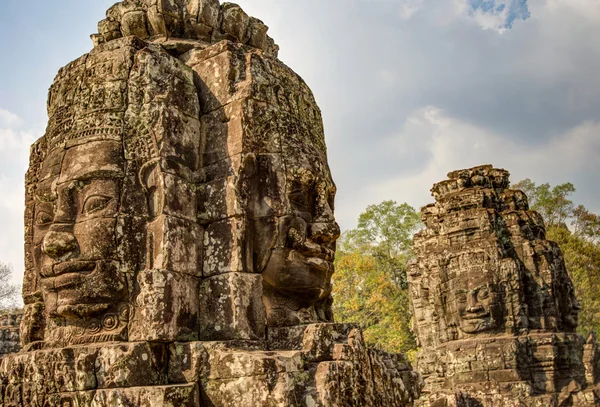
column 582, row 258
column 8, row 292
column 577, row 232
column 370, row 279
column 552, row 203
column 385, row 232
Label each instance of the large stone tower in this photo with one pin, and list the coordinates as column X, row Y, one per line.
column 180, row 232
column 493, row 306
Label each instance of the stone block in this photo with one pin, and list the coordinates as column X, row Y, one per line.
column 245, row 184
column 166, row 308
column 248, row 126
column 231, row 307
column 74, row 399
column 134, row 23
column 131, row 364
column 219, row 199
column 286, row 337
column 188, row 362
column 227, row 167
column 278, row 390
column 319, row 340
column 257, row 33
column 219, row 70
column 176, row 245
column 223, row 131
column 96, row 156
column 193, row 362
column 157, row 396
column 54, row 370
column 231, row 363
column 235, row 22
column 226, row 247
column 178, row 131
column 506, row 375
column 205, row 11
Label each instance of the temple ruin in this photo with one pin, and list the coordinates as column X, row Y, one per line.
column 494, row 308
column 180, row 232
column 180, row 237
column 9, row 332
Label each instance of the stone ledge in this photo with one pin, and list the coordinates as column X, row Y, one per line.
column 228, row 373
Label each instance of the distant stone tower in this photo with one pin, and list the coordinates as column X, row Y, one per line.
column 180, row 233
column 494, row 309
column 9, row 332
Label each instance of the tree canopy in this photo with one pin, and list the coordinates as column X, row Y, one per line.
column 370, row 280
column 8, row 292
column 577, row 232
column 370, row 286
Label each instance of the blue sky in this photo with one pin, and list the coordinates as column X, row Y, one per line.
column 507, row 11
column 409, row 89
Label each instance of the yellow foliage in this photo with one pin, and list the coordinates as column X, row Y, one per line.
column 365, row 294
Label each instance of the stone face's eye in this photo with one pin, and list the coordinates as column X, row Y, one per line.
column 43, row 218
column 303, row 199
column 331, row 200
column 483, row 294
column 298, row 198
column 95, row 203
column 462, row 298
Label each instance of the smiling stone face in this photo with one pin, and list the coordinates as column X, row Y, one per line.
column 268, row 194
column 76, row 253
column 77, row 225
column 104, row 215
column 477, row 303
column 297, row 262
column 506, row 304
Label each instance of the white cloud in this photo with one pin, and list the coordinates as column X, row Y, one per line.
column 408, row 8
column 455, row 144
column 585, row 9
column 14, row 154
column 525, row 100
column 8, row 119
column 14, row 140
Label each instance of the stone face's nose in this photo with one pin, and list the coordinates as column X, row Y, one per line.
column 473, row 304
column 324, row 232
column 60, row 245
column 474, row 309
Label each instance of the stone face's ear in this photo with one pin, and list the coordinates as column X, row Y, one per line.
column 151, row 179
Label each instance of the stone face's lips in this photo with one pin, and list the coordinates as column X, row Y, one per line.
column 85, row 267
column 310, row 249
column 46, row 271
column 318, row 257
column 471, row 317
column 70, row 273
column 68, row 280
column 318, row 263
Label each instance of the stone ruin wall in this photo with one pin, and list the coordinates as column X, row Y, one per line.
column 180, row 230
column 494, row 308
column 9, row 332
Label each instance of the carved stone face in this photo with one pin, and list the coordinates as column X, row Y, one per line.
column 75, row 231
column 571, row 310
column 477, row 302
column 298, row 231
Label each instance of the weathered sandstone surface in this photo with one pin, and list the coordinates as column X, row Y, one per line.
column 494, row 307
column 180, row 233
column 9, row 332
